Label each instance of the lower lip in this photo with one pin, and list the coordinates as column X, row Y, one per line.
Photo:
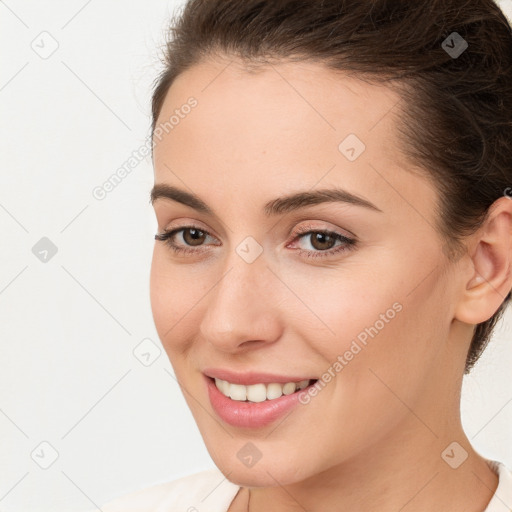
column 250, row 414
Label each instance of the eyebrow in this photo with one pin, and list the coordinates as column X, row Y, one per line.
column 276, row 206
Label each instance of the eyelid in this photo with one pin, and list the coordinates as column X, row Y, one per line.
column 184, row 223
column 309, row 226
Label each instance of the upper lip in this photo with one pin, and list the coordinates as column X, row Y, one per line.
column 251, row 377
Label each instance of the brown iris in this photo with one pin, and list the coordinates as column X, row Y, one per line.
column 196, row 236
column 322, row 239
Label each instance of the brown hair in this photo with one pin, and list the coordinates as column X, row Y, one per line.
column 456, row 117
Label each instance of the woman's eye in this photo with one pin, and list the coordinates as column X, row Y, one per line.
column 321, row 243
column 191, row 236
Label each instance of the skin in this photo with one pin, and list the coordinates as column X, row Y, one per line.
column 396, row 405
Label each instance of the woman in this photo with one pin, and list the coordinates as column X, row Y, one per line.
column 334, row 249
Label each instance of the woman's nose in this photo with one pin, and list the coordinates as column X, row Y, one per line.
column 242, row 307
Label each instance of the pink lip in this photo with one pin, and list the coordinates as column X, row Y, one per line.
column 250, row 414
column 249, row 378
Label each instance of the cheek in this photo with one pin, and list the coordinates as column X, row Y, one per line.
column 370, row 315
column 392, row 346
column 167, row 295
column 336, row 307
column 175, row 293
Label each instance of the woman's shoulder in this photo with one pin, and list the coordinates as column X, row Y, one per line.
column 205, row 490
column 502, row 498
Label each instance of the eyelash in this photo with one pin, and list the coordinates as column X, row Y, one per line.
column 349, row 243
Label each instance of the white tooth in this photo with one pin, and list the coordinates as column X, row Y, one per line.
column 274, row 390
column 222, row 385
column 303, row 384
column 256, row 393
column 289, row 388
column 238, row 392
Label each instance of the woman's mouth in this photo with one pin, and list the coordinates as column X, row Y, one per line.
column 255, row 405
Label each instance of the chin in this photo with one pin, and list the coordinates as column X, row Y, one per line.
column 261, row 474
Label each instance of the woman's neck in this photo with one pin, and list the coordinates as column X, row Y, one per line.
column 416, row 478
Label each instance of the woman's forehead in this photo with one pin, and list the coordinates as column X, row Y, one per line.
column 279, row 129
column 333, row 96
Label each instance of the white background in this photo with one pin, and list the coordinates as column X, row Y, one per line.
column 68, row 327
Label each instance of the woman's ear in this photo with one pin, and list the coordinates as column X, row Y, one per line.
column 488, row 279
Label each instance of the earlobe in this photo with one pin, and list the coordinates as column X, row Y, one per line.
column 488, row 278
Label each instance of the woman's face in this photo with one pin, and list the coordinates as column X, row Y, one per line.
column 252, row 292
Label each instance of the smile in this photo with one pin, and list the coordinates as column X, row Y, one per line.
column 250, row 405
column 259, row 392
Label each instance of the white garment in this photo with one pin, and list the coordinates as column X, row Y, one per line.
column 209, row 491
